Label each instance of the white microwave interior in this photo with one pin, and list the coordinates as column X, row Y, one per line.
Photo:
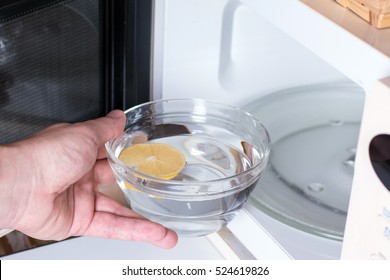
column 311, row 110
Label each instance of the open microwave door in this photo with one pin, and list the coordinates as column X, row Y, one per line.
column 367, row 234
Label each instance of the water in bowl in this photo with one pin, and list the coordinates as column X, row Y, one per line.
column 207, row 159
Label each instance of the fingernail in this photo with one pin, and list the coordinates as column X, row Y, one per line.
column 116, row 114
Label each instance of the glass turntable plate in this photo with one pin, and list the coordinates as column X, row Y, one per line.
column 314, row 132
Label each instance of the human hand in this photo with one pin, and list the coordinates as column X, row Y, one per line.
column 49, row 186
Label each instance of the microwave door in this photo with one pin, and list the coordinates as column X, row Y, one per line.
column 51, row 66
column 67, row 61
column 129, row 48
column 368, row 220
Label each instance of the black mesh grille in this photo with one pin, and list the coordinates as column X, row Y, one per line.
column 49, row 68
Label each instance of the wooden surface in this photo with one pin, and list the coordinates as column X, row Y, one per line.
column 377, row 38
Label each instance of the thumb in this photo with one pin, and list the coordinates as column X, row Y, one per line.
column 115, row 114
column 107, row 128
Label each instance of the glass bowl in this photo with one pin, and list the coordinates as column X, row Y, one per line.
column 225, row 149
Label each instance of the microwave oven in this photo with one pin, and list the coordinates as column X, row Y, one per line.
column 296, row 65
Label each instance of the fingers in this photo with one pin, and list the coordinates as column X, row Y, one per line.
column 101, row 153
column 112, row 220
column 103, row 173
column 108, row 225
column 104, row 203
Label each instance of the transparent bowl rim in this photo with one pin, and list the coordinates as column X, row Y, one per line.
column 171, row 182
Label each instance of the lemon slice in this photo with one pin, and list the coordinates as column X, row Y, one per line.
column 155, row 159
